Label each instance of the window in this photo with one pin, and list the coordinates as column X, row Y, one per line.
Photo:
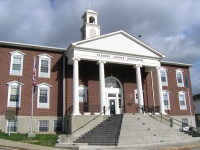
column 44, row 66
column 57, row 124
column 43, row 95
column 13, row 126
column 43, row 126
column 136, row 96
column 179, row 78
column 182, row 100
column 166, row 100
column 82, row 93
column 16, row 65
column 14, row 94
column 184, row 122
column 163, row 74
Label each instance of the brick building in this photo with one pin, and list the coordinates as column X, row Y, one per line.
column 114, row 72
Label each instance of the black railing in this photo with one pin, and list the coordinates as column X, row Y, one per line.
column 105, row 108
column 149, row 109
column 117, row 134
column 173, row 121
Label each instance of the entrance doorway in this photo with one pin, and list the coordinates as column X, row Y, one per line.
column 112, row 106
column 114, row 97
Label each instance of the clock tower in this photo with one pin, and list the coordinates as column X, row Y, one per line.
column 90, row 27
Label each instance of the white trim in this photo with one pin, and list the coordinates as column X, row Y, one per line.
column 14, row 84
column 16, row 54
column 46, row 87
column 185, row 106
column 163, row 69
column 47, row 58
column 181, row 73
column 167, row 107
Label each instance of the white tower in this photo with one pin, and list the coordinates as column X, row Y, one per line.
column 90, row 27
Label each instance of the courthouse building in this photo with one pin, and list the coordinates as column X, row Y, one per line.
column 108, row 74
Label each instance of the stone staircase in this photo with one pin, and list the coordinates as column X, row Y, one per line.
column 142, row 129
column 104, row 133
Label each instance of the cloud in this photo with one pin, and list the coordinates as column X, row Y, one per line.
column 171, row 27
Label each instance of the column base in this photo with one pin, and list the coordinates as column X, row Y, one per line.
column 76, row 114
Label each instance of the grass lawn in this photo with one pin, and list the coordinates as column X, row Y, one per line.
column 40, row 139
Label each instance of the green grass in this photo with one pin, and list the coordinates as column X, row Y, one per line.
column 40, row 139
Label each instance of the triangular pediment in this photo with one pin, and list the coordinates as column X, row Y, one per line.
column 119, row 42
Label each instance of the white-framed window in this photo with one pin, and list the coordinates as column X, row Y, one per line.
column 57, row 124
column 14, row 94
column 43, row 125
column 163, row 74
column 184, row 122
column 12, row 124
column 43, row 99
column 182, row 100
column 166, row 100
column 136, row 96
column 44, row 65
column 83, row 93
column 179, row 78
column 16, row 63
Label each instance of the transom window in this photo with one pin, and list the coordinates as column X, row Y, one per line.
column 182, row 100
column 163, row 73
column 44, row 65
column 179, row 78
column 43, row 126
column 111, row 83
column 43, row 95
column 16, row 65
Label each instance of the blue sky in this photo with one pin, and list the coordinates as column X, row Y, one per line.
column 171, row 27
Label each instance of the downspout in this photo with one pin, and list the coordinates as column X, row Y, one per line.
column 64, row 95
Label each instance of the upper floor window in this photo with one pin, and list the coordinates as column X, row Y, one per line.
column 82, row 93
column 16, row 64
column 179, row 78
column 166, row 100
column 182, row 100
column 43, row 95
column 136, row 96
column 163, row 74
column 44, row 65
column 14, row 94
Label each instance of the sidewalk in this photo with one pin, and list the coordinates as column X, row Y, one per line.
column 156, row 146
column 25, row 146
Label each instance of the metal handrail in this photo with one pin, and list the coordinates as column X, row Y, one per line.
column 93, row 119
column 118, row 128
column 170, row 120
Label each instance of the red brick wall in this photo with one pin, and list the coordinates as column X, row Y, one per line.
column 55, row 81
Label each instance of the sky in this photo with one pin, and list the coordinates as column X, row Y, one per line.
column 170, row 26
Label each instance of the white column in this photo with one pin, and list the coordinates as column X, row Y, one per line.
column 102, row 83
column 76, row 87
column 139, row 86
column 160, row 91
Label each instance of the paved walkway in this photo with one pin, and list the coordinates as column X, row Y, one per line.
column 189, row 145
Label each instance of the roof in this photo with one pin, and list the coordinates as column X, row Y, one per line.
column 30, row 46
column 176, row 63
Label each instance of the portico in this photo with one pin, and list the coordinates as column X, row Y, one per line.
column 118, row 48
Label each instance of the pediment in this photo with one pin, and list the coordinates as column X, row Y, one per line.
column 119, row 42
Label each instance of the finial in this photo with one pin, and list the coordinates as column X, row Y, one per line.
column 89, row 4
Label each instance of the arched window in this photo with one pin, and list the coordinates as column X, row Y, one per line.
column 111, row 83
column 91, row 19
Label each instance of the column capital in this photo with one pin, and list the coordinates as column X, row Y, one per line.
column 138, row 65
column 158, row 67
column 101, row 61
column 76, row 58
